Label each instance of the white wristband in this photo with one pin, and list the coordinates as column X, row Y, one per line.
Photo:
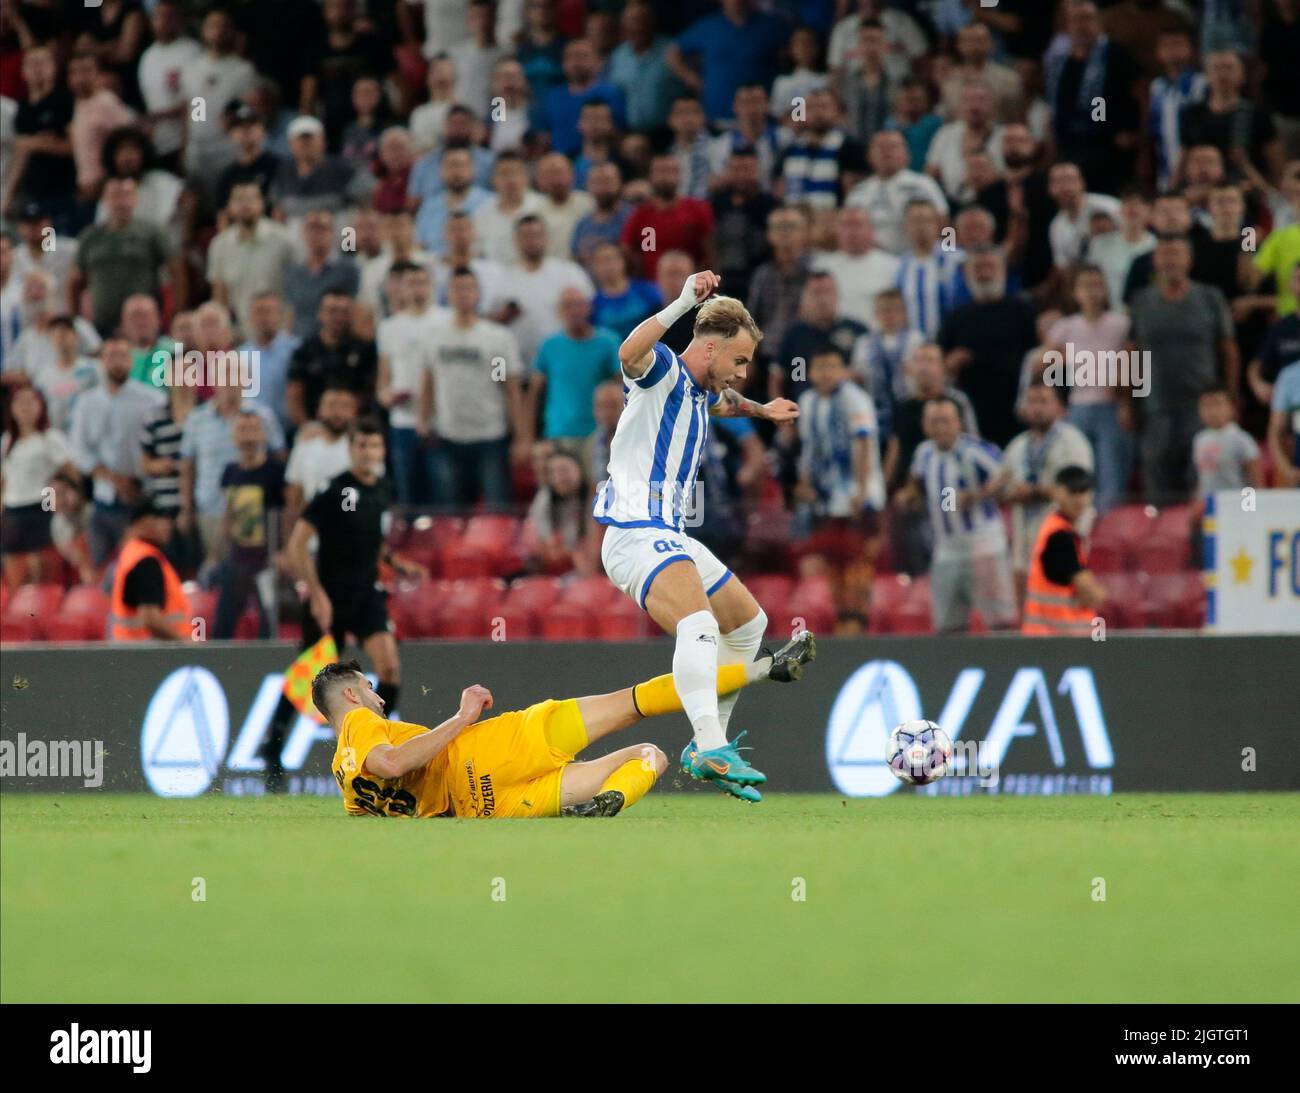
column 673, row 312
column 682, row 305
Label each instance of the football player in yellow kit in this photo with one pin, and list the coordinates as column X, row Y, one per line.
column 515, row 765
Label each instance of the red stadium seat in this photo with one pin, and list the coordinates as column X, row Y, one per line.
column 428, row 536
column 1176, row 521
column 568, row 622
column 526, row 602
column 771, row 590
column 767, row 538
column 813, row 602
column 1107, row 557
column 415, row 612
column 203, row 604
column 249, row 624
column 1119, row 532
column 1179, row 598
column 1126, row 595
column 82, row 617
column 888, row 594
column 490, row 530
column 534, row 593
column 916, row 616
column 623, row 620
column 487, row 547
column 403, row 612
column 593, row 592
column 18, row 628
column 1163, row 554
column 467, row 609
column 36, row 603
column 518, row 623
column 462, row 560
column 900, row 605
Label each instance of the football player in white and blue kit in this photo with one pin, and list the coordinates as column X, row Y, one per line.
column 650, row 498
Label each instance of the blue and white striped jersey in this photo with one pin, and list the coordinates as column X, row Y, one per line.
column 655, row 456
column 969, row 464
column 928, row 286
column 829, row 426
column 1168, row 97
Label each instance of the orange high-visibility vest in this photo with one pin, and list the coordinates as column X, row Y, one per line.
column 122, row 620
column 1051, row 609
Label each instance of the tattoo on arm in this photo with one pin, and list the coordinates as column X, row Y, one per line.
column 734, row 404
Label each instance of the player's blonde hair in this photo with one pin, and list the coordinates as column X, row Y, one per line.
column 724, row 317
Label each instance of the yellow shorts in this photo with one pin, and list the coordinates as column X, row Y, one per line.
column 510, row 766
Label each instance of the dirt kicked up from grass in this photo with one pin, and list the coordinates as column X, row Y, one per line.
column 687, row 897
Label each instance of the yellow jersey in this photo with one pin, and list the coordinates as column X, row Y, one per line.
column 421, row 792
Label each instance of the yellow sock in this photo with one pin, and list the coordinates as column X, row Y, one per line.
column 633, row 779
column 659, row 696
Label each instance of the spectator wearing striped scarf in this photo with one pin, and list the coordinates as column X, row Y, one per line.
column 823, row 160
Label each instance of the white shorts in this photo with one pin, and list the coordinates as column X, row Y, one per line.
column 633, row 558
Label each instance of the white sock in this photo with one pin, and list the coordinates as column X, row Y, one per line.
column 695, row 675
column 739, row 647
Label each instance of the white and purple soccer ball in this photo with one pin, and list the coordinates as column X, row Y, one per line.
column 919, row 752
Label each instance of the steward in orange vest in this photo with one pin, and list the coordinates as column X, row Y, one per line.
column 1062, row 596
column 148, row 603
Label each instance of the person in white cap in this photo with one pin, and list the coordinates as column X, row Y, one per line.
column 310, row 180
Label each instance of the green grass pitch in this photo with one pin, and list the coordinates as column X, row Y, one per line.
column 907, row 900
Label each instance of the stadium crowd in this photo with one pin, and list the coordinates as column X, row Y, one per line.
column 983, row 243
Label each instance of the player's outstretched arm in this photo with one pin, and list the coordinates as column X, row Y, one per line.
column 636, row 352
column 734, row 404
column 392, row 761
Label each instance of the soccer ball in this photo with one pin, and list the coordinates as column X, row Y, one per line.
column 919, row 752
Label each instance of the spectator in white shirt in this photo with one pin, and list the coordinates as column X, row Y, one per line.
column 67, row 374
column 495, row 221
column 32, row 453
column 1113, row 251
column 974, row 130
column 107, row 423
column 320, row 449
column 251, row 255
column 34, row 350
column 1069, row 229
column 562, row 205
column 404, row 340
column 39, row 247
column 428, row 120
column 161, row 76
column 887, row 193
column 400, row 245
column 1031, row 462
column 446, row 22
column 510, row 91
column 213, row 79
column 472, row 394
column 475, row 57
column 529, row 290
column 861, row 269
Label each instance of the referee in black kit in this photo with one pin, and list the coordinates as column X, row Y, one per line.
column 348, row 521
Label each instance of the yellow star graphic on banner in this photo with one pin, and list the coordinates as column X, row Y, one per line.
column 1242, row 563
